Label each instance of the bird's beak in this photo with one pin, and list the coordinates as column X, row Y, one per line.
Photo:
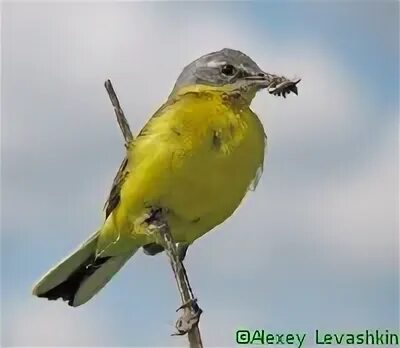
column 276, row 85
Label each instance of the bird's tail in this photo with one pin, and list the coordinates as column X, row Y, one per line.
column 81, row 275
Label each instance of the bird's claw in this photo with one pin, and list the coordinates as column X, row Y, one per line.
column 189, row 318
column 191, row 304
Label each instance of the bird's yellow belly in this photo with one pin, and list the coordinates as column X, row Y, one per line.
column 210, row 185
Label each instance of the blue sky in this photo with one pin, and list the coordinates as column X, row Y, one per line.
column 316, row 246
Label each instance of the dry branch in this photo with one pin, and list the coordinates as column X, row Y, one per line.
column 188, row 322
column 123, row 123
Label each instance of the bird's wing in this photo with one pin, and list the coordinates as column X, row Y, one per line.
column 114, row 196
column 123, row 171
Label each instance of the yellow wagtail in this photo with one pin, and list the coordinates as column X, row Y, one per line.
column 196, row 158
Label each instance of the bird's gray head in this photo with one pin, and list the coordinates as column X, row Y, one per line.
column 230, row 69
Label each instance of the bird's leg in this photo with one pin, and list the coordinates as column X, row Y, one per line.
column 181, row 249
column 191, row 310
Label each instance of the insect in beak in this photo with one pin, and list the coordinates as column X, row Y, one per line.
column 276, row 85
column 284, row 87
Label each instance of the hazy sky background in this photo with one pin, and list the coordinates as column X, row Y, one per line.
column 316, row 246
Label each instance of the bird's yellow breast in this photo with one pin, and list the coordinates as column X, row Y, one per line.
column 196, row 157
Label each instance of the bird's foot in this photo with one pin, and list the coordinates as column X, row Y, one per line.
column 189, row 318
column 153, row 221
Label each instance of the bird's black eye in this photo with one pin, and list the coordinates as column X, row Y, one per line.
column 228, row 70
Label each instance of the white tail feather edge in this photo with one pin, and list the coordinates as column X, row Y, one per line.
column 94, row 283
column 64, row 268
column 91, row 285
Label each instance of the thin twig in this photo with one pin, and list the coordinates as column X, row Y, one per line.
column 188, row 322
column 123, row 123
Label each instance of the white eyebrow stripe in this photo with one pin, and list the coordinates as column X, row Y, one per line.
column 214, row 64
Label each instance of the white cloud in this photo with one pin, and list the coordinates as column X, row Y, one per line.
column 356, row 216
column 31, row 324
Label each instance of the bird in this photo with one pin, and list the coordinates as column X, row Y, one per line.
column 195, row 159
